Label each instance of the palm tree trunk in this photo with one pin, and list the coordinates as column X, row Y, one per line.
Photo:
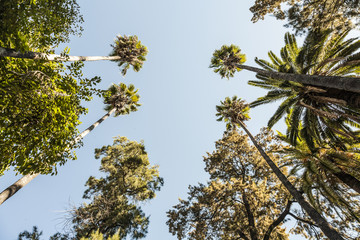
column 349, row 84
column 22, row 182
column 8, row 52
column 349, row 180
column 315, row 216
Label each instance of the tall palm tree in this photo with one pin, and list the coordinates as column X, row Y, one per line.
column 119, row 99
column 127, row 50
column 317, row 110
column 327, row 175
column 235, row 112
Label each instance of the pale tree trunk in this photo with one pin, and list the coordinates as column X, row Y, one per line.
column 349, row 84
column 8, row 52
column 330, row 232
column 22, row 182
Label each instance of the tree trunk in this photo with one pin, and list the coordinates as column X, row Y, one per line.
column 8, row 52
column 349, row 84
column 349, row 180
column 250, row 217
column 11, row 190
column 331, row 233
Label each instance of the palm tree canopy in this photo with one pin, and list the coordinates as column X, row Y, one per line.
column 316, row 113
column 131, row 52
column 121, row 97
column 225, row 60
column 233, row 110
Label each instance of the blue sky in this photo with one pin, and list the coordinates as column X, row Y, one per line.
column 178, row 92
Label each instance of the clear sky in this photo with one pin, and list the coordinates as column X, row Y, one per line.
column 178, row 92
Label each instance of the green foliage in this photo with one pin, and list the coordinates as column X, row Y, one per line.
column 233, row 110
column 314, row 113
column 242, row 200
column 225, row 60
column 313, row 15
column 34, row 235
column 121, row 97
column 131, row 52
column 39, row 24
column 114, row 198
column 319, row 176
column 40, row 109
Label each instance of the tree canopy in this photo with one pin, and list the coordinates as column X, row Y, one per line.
column 129, row 179
column 314, row 15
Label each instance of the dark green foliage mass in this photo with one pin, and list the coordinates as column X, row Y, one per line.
column 114, row 199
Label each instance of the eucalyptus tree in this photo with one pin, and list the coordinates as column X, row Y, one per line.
column 127, row 51
column 318, row 110
column 310, row 15
column 235, row 112
column 119, row 99
column 128, row 180
column 242, row 200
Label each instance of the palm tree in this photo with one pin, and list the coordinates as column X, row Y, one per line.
column 235, row 112
column 119, row 99
column 326, row 175
column 126, row 51
column 317, row 110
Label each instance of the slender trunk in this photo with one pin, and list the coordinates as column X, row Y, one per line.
column 8, row 52
column 349, row 84
column 331, row 233
column 22, row 182
column 349, row 180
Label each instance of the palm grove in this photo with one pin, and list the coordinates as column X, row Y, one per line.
column 309, row 174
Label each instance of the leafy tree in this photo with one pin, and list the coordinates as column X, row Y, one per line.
column 35, row 235
column 38, row 24
column 317, row 112
column 126, row 51
column 119, row 99
column 314, row 15
column 39, row 101
column 235, row 112
column 40, row 108
column 243, row 200
column 114, row 198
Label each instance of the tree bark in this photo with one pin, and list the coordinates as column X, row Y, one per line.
column 349, row 180
column 22, row 182
column 250, row 216
column 349, row 84
column 8, row 52
column 330, row 232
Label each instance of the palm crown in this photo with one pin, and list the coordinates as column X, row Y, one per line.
column 226, row 59
column 315, row 113
column 131, row 52
column 121, row 97
column 233, row 110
